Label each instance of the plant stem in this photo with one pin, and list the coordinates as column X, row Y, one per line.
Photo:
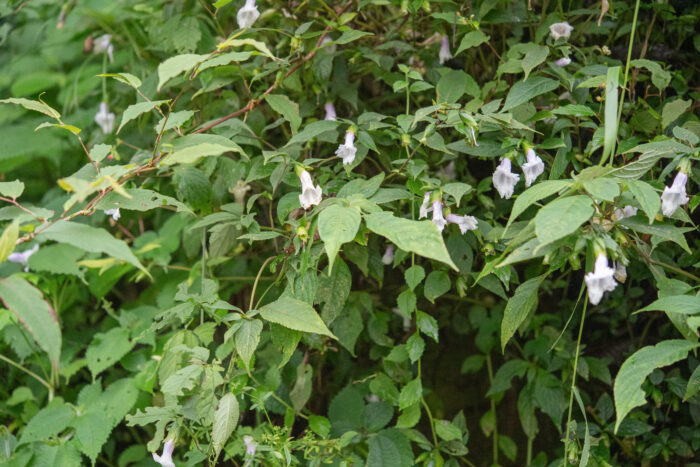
column 30, row 373
column 257, row 279
column 573, row 381
column 489, row 367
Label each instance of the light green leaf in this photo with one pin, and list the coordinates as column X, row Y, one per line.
column 260, row 46
column 562, row 217
column 437, row 284
column 224, row 59
column 659, row 77
column 99, row 152
column 183, row 379
column 192, row 154
column 525, row 91
column 176, row 65
column 107, row 349
column 414, row 275
column 225, row 421
column 288, row 109
column 452, row 86
column 59, row 258
column 141, row 200
column 351, row 35
column 8, row 239
column 12, row 189
column 295, row 314
column 247, row 339
column 28, row 304
column 389, row 448
column 420, row 237
column 605, row 189
column 73, row 129
column 535, row 193
column 29, row 104
column 48, row 422
column 92, row 430
column 519, row 307
column 337, row 225
column 410, row 394
column 610, row 132
column 672, row 110
column 664, row 232
column 472, row 39
column 534, row 57
column 312, row 130
column 646, row 196
column 683, row 304
column 175, row 120
column 447, row 431
column 126, row 78
column 627, row 389
column 457, row 190
column 134, row 110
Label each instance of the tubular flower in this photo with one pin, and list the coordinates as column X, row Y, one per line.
column 310, row 195
column 250, row 445
column 347, row 151
column 438, row 220
column 563, row 61
column 330, row 112
column 105, row 119
column 627, row 211
column 674, row 195
column 104, row 44
column 533, row 168
column 425, row 208
column 247, row 15
column 388, row 257
column 562, row 29
column 445, row 53
column 114, row 213
column 465, row 223
column 166, row 459
column 504, row 180
column 620, row 272
column 239, row 191
column 600, row 280
column 22, row 256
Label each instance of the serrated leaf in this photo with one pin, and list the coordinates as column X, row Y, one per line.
column 12, row 189
column 7, row 240
column 141, row 200
column 472, row 39
column 288, row 109
column 176, row 65
column 135, row 110
column 48, row 422
column 107, row 349
column 519, row 307
column 414, row 275
column 60, row 258
column 126, row 78
column 247, row 338
column 295, row 314
column 683, row 304
column 562, row 217
column 337, row 225
column 92, row 430
column 535, row 193
column 665, row 232
column 29, row 104
column 535, row 56
column 225, row 421
column 224, row 59
column 672, row 110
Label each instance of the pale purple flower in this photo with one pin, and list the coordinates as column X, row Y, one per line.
column 239, row 191
column 425, row 208
column 627, row 211
column 675, row 195
column 310, row 195
column 104, row 44
column 330, row 112
column 504, row 180
column 563, row 61
column 247, row 15
column 438, row 220
column 562, row 29
column 250, row 445
column 448, row 172
column 445, row 53
column 114, row 213
column 600, row 280
column 388, row 257
column 105, row 119
column 22, row 256
column 166, row 459
column 465, row 223
column 347, row 151
column 533, row 168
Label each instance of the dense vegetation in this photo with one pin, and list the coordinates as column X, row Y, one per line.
column 361, row 232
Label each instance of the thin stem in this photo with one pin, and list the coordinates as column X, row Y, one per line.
column 489, row 368
column 30, row 373
column 257, row 279
column 573, row 381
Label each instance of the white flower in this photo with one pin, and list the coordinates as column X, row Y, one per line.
column 438, row 220
column 250, row 445
column 388, row 257
column 627, row 211
column 533, row 168
column 239, row 191
column 347, row 151
column 166, row 459
column 330, row 111
column 600, row 280
column 558, row 30
column 504, row 180
column 465, row 223
column 445, row 53
column 22, row 256
column 425, row 208
column 675, row 195
column 114, row 213
column 104, row 44
column 248, row 14
column 620, row 272
column 331, row 48
column 563, row 61
column 309, row 196
column 448, row 172
column 105, row 119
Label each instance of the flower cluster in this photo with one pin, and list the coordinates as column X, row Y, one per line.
column 465, row 223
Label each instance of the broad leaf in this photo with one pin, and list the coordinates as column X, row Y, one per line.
column 562, row 217
column 646, row 196
column 337, row 225
column 683, row 304
column 535, row 193
column 519, row 307
column 135, row 110
column 288, row 109
column 525, row 91
column 295, row 314
column 225, row 421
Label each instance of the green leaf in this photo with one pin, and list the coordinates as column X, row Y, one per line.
column 472, row 39
column 28, row 304
column 389, row 448
column 350, row 35
column 175, row 120
column 99, row 152
column 683, row 304
column 183, row 379
column 260, row 46
column 295, row 314
column 627, row 389
column 605, row 189
column 247, row 339
column 320, row 425
column 533, row 57
column 107, row 349
column 12, row 189
column 525, row 91
column 610, row 131
column 126, row 78
column 337, row 225
column 410, row 394
column 646, row 196
column 447, row 431
column 438, row 283
column 288, row 109
column 659, row 77
column 519, row 307
column 672, row 110
column 59, row 258
column 37, row 106
column 427, row 325
column 192, row 154
column 225, row 421
column 333, row 291
column 420, row 237
column 176, row 65
column 8, row 239
column 224, row 59
column 312, row 130
column 534, row 194
column 457, row 190
column 90, row 239
column 562, row 217
column 140, row 200
column 452, row 86
column 664, row 232
column 134, row 110
column 693, row 384
column 414, row 275
column 92, row 430
column 48, row 422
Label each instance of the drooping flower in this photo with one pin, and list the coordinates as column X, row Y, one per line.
column 105, row 119
column 239, row 191
column 465, row 223
column 250, row 445
column 620, row 272
column 247, row 15
column 600, row 280
column 504, row 180
column 438, row 220
column 310, row 195
column 104, row 44
column 627, row 211
column 22, row 256
column 425, row 208
column 562, row 29
column 388, row 257
column 347, row 151
column 563, row 61
column 166, row 459
column 448, row 171
column 533, row 168
column 330, row 112
column 445, row 53
column 114, row 213
column 674, row 195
